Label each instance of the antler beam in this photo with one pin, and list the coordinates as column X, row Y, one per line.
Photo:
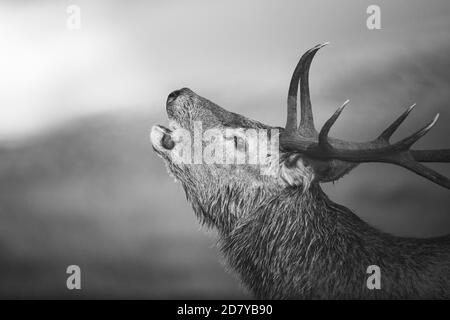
column 380, row 150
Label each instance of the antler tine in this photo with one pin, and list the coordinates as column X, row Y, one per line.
column 323, row 135
column 386, row 134
column 409, row 141
column 439, row 155
column 301, row 74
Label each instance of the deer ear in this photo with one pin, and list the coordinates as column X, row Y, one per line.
column 296, row 172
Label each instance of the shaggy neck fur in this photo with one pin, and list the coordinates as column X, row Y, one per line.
column 302, row 245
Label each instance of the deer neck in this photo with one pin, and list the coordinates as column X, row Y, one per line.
column 304, row 245
column 282, row 242
column 295, row 244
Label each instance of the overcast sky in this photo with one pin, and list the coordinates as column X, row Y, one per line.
column 130, row 55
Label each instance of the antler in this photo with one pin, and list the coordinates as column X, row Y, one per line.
column 301, row 73
column 305, row 139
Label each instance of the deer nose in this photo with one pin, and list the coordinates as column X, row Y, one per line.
column 173, row 106
column 173, row 95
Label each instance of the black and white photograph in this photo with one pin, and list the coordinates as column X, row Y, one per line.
column 230, row 151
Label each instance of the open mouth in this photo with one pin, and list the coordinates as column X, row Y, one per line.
column 163, row 136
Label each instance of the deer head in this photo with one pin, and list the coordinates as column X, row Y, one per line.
column 221, row 194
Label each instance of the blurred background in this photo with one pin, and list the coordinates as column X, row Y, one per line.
column 80, row 184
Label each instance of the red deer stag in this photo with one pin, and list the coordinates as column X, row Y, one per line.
column 280, row 232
